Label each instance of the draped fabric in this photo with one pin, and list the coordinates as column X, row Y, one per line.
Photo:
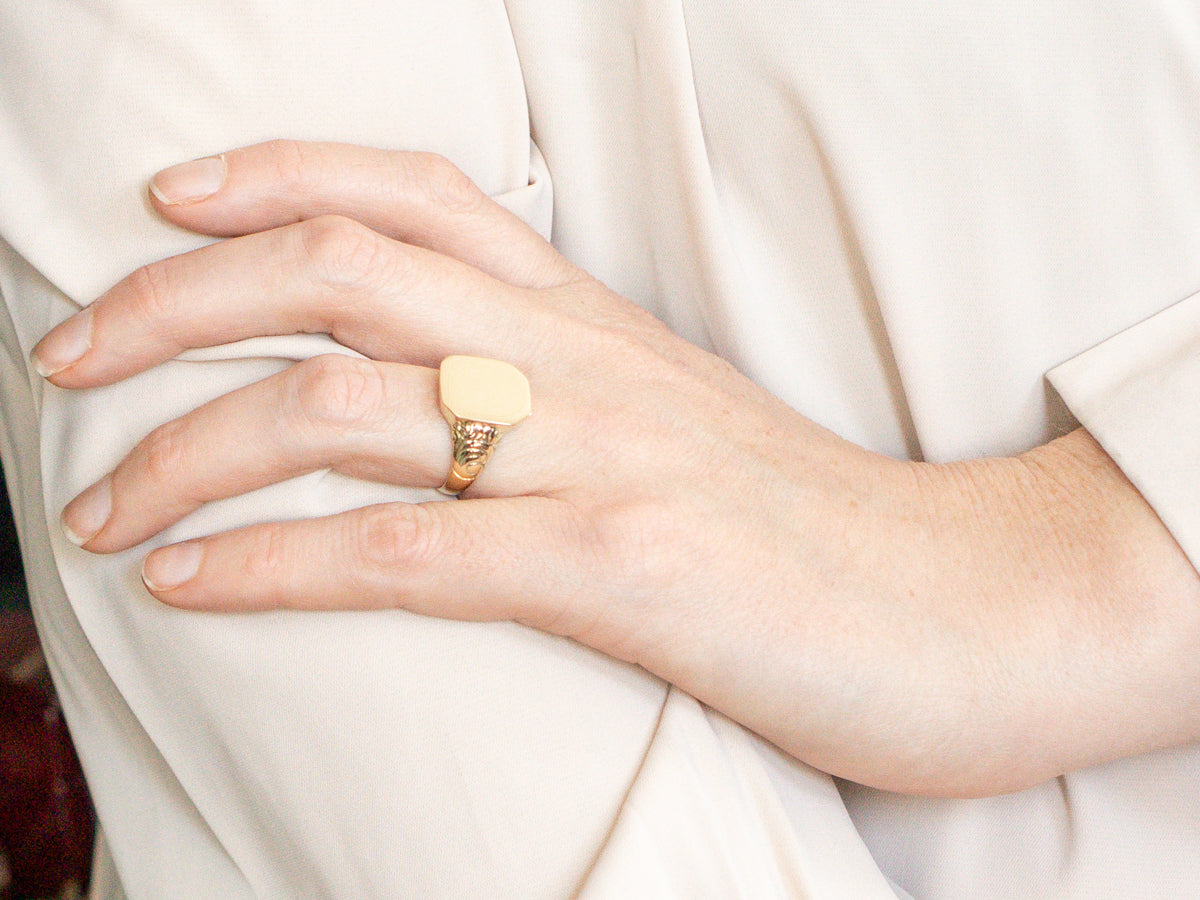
column 897, row 217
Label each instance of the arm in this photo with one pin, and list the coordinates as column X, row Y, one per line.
column 947, row 629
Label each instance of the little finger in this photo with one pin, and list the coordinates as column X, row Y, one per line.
column 521, row 559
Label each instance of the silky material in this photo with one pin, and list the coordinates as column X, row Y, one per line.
column 896, row 219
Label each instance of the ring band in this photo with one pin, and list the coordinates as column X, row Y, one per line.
column 481, row 399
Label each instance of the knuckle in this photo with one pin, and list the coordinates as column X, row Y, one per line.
column 167, row 456
column 266, row 559
column 334, row 391
column 291, row 163
column 153, row 297
column 397, row 536
column 444, row 184
column 342, row 253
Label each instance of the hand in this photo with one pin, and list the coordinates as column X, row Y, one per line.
column 941, row 629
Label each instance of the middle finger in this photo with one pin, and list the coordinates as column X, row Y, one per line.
column 384, row 298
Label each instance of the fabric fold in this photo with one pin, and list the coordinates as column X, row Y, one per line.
column 1138, row 394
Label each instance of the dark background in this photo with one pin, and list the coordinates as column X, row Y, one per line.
column 46, row 818
column 12, row 579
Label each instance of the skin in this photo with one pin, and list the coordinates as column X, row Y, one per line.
column 954, row 630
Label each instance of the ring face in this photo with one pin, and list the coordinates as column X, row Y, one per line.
column 481, row 399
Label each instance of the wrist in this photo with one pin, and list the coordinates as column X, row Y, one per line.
column 1084, row 608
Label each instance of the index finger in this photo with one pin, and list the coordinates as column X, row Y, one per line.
column 418, row 198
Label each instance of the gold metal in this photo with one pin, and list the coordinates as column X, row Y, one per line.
column 481, row 399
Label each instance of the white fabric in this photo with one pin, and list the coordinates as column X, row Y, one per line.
column 897, row 217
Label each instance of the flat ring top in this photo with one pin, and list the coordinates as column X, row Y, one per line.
column 483, row 390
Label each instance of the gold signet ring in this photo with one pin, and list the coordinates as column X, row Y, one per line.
column 481, row 399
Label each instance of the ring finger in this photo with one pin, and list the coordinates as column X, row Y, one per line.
column 377, row 421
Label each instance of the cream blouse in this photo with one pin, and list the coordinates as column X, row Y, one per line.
column 900, row 218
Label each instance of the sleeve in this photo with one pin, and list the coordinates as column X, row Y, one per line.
column 1138, row 393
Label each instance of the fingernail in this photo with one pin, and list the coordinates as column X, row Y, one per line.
column 189, row 182
column 64, row 345
column 87, row 513
column 169, row 567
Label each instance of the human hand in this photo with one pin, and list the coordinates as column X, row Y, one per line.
column 900, row 624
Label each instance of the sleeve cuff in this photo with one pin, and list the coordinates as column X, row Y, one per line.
column 1138, row 394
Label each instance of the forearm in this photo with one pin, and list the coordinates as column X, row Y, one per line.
column 1096, row 611
column 1019, row 618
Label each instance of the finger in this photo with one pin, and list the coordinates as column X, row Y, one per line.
column 376, row 421
column 522, row 559
column 331, row 275
column 418, row 198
